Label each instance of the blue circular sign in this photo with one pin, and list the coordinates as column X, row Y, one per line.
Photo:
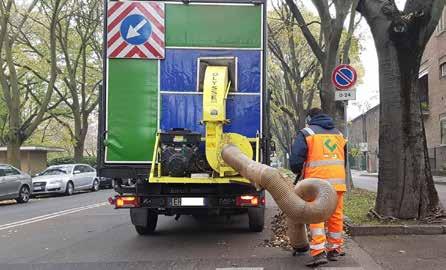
column 135, row 29
column 344, row 77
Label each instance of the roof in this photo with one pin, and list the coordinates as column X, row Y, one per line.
column 36, row 149
column 366, row 113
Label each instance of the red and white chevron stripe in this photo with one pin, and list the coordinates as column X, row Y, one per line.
column 117, row 47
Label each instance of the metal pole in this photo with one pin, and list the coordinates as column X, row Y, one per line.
column 348, row 179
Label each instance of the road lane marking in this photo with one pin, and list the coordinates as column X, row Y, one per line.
column 50, row 216
column 241, row 268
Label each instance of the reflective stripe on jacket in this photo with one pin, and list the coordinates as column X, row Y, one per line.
column 325, row 156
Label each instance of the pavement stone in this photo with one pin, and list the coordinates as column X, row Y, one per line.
column 408, row 252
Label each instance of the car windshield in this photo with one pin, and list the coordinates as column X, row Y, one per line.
column 57, row 171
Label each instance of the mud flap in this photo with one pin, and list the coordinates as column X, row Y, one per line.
column 139, row 216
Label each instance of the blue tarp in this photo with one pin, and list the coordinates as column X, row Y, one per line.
column 179, row 69
column 186, row 111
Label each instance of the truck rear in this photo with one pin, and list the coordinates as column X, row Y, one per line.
column 181, row 80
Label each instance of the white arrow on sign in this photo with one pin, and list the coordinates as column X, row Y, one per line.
column 133, row 31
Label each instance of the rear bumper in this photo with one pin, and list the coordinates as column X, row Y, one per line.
column 171, row 199
column 175, row 202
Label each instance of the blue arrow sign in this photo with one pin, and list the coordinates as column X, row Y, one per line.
column 135, row 29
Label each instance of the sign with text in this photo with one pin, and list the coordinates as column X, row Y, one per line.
column 345, row 95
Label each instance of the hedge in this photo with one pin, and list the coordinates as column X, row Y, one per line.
column 69, row 160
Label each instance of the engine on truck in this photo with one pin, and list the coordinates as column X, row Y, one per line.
column 180, row 154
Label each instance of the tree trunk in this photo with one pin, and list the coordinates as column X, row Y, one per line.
column 80, row 132
column 406, row 188
column 328, row 104
column 79, row 150
column 13, row 151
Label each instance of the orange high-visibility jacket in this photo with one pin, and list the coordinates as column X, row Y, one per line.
column 326, row 156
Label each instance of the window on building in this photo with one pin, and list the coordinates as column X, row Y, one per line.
column 443, row 70
column 443, row 131
column 423, row 90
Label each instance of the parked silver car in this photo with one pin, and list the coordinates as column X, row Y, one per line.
column 66, row 179
column 14, row 184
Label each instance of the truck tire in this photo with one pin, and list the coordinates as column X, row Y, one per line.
column 152, row 220
column 256, row 219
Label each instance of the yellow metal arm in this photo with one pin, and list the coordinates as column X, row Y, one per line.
column 215, row 91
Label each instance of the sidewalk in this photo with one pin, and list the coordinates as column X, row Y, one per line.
column 408, row 252
column 440, row 180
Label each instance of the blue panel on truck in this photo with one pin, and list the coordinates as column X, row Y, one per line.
column 186, row 111
column 179, row 69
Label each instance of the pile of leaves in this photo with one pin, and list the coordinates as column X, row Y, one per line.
column 279, row 237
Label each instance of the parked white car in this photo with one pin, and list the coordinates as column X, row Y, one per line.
column 66, row 179
column 14, row 184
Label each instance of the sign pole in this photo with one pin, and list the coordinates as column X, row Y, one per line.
column 348, row 175
column 344, row 78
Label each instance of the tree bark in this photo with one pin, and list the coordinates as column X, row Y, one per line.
column 406, row 188
column 327, row 55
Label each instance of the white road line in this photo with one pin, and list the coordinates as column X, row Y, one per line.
column 241, row 268
column 49, row 216
column 341, row 268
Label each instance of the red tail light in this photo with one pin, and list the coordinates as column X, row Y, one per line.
column 247, row 200
column 124, row 201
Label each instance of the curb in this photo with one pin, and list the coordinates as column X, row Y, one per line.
column 374, row 230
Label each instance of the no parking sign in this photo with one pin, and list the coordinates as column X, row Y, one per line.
column 344, row 78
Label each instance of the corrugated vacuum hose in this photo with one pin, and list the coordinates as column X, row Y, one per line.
column 311, row 201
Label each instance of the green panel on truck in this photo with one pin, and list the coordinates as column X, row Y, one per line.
column 132, row 100
column 213, row 26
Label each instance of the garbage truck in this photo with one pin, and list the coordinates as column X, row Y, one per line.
column 181, row 80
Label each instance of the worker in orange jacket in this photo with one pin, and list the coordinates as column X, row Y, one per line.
column 319, row 152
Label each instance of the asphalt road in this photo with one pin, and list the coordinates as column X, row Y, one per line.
column 371, row 183
column 83, row 232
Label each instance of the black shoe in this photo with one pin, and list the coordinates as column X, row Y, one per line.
column 333, row 255
column 301, row 251
column 317, row 260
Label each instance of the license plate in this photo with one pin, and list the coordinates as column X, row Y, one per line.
column 38, row 188
column 187, row 202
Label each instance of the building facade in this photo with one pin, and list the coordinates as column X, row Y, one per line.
column 363, row 141
column 33, row 159
column 432, row 86
column 433, row 78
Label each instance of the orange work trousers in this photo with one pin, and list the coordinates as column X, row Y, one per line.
column 335, row 228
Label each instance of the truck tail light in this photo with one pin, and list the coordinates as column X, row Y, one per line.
column 247, row 200
column 124, row 201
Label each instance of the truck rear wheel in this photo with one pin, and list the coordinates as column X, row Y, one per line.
column 256, row 219
column 152, row 220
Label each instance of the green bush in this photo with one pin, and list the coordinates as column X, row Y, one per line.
column 68, row 160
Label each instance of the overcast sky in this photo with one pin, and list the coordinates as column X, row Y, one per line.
column 368, row 92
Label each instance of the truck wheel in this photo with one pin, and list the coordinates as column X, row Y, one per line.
column 152, row 219
column 256, row 219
